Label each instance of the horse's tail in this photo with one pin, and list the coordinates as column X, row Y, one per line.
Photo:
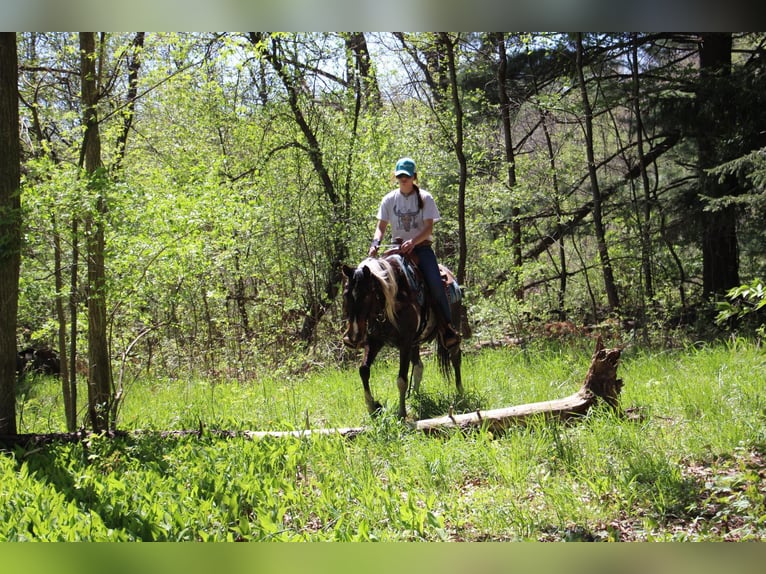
column 444, row 359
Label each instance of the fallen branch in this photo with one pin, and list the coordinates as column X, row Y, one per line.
column 601, row 384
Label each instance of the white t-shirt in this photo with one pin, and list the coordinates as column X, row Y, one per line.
column 402, row 213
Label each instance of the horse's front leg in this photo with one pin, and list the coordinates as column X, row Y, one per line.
column 371, row 351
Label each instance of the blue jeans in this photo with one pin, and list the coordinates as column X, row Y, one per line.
column 429, row 267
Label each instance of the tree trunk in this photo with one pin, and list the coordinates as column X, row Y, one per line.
column 461, row 322
column 457, row 108
column 598, row 223
column 562, row 255
column 510, row 160
column 720, row 254
column 67, row 389
column 99, row 364
column 646, row 216
column 356, row 44
column 134, row 65
column 10, row 228
column 74, row 304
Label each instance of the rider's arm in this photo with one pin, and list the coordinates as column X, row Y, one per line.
column 377, row 237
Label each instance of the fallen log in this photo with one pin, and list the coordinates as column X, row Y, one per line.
column 601, row 384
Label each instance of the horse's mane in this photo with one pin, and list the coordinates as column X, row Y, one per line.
column 383, row 271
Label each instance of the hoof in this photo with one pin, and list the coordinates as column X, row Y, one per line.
column 375, row 410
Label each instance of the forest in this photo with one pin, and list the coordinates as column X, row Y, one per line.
column 181, row 204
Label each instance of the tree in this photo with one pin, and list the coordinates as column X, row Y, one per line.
column 717, row 103
column 597, row 209
column 505, row 117
column 10, row 228
column 99, row 361
column 253, row 164
column 720, row 253
column 645, row 220
column 317, row 305
column 450, row 47
column 42, row 147
column 360, row 68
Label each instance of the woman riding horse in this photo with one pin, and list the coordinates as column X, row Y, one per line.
column 383, row 306
column 411, row 212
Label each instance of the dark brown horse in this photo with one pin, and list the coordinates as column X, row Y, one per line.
column 385, row 302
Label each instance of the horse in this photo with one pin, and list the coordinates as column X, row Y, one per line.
column 385, row 302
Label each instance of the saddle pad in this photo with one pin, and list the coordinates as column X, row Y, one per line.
column 413, row 278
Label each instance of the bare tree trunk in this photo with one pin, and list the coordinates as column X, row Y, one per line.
column 10, row 228
column 603, row 252
column 510, row 160
column 67, row 389
column 99, row 365
column 601, row 384
column 645, row 221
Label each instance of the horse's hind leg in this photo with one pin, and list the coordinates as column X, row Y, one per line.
column 417, row 368
column 457, row 359
column 401, row 381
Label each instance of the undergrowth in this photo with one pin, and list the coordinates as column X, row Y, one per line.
column 687, row 464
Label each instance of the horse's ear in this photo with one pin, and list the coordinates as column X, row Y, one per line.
column 348, row 272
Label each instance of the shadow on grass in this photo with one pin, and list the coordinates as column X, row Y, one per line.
column 426, row 405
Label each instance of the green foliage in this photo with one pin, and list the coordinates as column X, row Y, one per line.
column 222, row 239
column 744, row 301
column 683, row 466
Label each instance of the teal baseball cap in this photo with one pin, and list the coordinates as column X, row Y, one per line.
column 405, row 166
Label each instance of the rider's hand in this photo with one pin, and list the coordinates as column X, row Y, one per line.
column 373, row 251
column 407, row 246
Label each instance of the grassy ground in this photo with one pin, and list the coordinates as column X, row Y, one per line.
column 688, row 466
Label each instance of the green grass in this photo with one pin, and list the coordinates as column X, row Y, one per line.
column 688, row 466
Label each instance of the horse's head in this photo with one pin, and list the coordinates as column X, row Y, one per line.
column 368, row 294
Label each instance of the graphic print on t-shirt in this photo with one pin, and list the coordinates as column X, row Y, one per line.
column 407, row 219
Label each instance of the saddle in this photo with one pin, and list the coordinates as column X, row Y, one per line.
column 454, row 292
column 409, row 263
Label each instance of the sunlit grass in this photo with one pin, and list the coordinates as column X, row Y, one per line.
column 683, row 466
